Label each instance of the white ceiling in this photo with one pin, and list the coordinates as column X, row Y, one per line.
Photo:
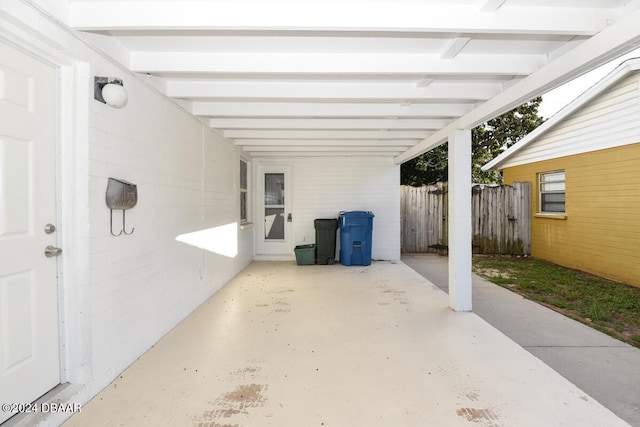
column 342, row 77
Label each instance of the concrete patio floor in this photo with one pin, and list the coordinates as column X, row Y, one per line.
column 286, row 345
column 602, row 366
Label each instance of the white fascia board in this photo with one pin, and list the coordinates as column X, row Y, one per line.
column 399, row 143
column 316, row 154
column 334, row 16
column 602, row 85
column 612, row 42
column 326, row 134
column 352, row 148
column 297, row 123
column 333, row 110
column 362, row 64
column 247, row 90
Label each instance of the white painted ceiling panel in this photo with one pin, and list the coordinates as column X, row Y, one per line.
column 347, row 77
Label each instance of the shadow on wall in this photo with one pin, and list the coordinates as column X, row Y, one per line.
column 221, row 240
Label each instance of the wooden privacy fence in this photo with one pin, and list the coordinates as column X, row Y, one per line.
column 501, row 218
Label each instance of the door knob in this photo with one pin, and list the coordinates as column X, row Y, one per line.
column 51, row 251
column 289, row 219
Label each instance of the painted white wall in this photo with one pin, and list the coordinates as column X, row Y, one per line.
column 122, row 294
column 142, row 285
column 322, row 187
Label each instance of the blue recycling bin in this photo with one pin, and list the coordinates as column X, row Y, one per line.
column 356, row 229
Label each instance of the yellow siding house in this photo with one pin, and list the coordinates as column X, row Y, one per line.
column 584, row 166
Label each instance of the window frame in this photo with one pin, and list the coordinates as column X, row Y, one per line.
column 542, row 193
column 244, row 191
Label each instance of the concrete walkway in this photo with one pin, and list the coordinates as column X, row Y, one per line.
column 302, row 346
column 605, row 368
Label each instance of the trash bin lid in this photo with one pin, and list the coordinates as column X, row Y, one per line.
column 367, row 214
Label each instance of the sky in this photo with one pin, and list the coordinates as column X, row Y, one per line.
column 556, row 99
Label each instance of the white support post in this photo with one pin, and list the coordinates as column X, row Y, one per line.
column 460, row 220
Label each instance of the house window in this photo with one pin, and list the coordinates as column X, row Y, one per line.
column 552, row 192
column 243, row 191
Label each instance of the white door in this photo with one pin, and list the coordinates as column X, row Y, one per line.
column 274, row 216
column 29, row 348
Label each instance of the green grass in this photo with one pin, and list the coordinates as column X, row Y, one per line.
column 611, row 307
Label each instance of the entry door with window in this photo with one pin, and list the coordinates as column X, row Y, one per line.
column 274, row 205
column 29, row 344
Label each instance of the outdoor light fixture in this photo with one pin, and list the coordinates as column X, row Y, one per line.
column 110, row 92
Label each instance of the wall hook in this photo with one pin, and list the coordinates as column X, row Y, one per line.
column 121, row 195
column 124, row 227
column 111, row 224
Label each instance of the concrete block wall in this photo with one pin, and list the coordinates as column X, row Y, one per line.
column 322, row 187
column 143, row 284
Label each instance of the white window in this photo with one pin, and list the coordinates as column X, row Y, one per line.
column 243, row 191
column 552, row 192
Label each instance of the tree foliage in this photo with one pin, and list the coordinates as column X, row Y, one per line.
column 488, row 140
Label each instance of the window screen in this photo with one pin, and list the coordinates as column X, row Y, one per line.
column 552, row 192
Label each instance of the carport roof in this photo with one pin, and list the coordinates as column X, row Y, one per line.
column 384, row 78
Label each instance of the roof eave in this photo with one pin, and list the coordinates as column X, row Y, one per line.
column 614, row 76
